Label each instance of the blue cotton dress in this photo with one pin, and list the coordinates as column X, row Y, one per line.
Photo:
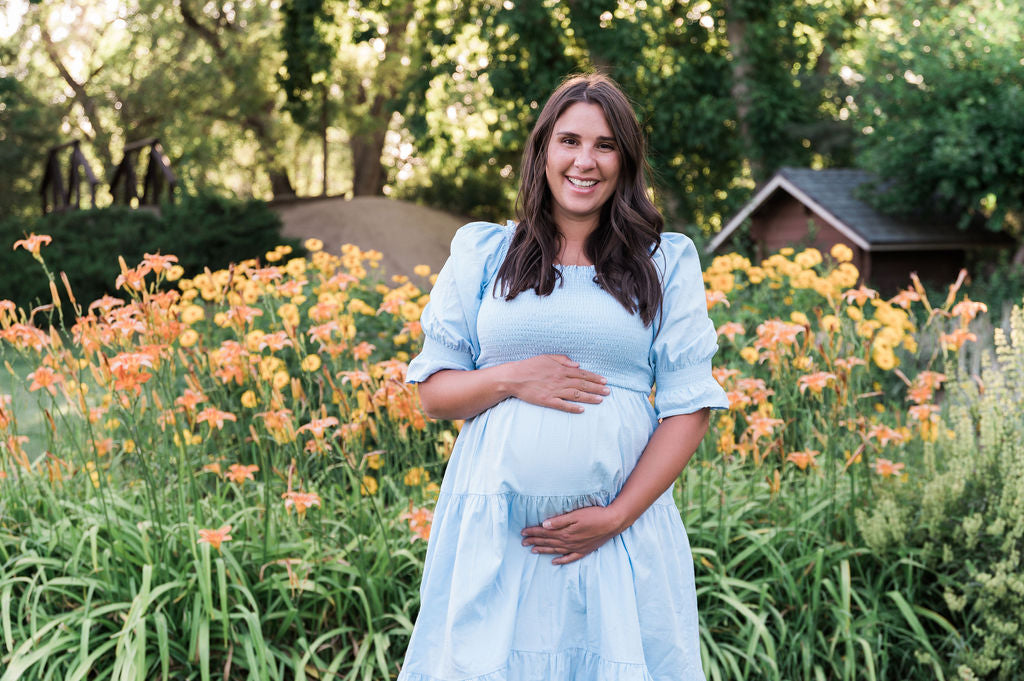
column 491, row 610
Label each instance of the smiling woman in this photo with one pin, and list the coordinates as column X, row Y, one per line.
column 556, row 550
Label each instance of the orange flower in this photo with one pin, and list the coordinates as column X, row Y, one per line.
column 803, row 459
column 211, row 468
column 190, row 399
column 905, row 297
column 715, row 297
column 887, row 468
column 932, row 379
column 275, row 341
column 215, row 537
column 420, row 520
column 730, row 329
column 775, row 332
column 215, row 417
column 318, row 426
column 239, row 473
column 159, row 262
column 884, row 435
column 33, row 242
column 363, row 350
column 924, row 412
column 45, row 378
column 859, row 295
column 968, row 309
column 761, row 426
column 301, row 501
column 816, row 382
column 722, row 375
column 737, row 400
column 956, row 339
column 847, row 363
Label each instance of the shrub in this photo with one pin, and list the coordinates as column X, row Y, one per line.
column 203, row 231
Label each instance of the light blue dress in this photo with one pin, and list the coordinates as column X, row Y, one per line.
column 491, row 610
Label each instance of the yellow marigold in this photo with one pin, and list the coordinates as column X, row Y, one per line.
column 400, row 339
column 749, row 355
column 313, row 245
column 192, row 314
column 809, row 257
column 368, row 486
column 756, row 275
column 422, row 270
column 188, row 338
column 253, row 339
column 787, row 251
column 432, row 279
column 867, row 327
column 910, row 344
column 841, row 252
column 805, row 279
column 311, row 363
column 281, row 379
column 884, row 357
column 799, row 318
column 416, row 476
column 410, row 312
column 803, row 363
column 374, row 461
column 854, row 313
column 723, row 282
column 249, row 399
column 272, row 256
column 175, row 272
column 289, row 314
column 830, row 323
column 296, row 267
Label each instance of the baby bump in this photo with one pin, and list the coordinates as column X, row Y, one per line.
column 523, row 448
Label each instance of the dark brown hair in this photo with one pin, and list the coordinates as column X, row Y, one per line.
column 629, row 228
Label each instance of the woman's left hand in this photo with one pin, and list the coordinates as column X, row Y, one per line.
column 573, row 535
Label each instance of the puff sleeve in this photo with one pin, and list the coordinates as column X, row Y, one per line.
column 449, row 320
column 686, row 339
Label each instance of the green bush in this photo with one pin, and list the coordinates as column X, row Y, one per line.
column 203, row 231
column 963, row 518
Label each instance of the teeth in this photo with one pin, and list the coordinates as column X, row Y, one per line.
column 582, row 183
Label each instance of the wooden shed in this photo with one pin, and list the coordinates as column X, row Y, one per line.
column 800, row 207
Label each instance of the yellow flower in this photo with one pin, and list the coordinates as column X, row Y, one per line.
column 756, row 275
column 222, row 319
column 830, row 323
column 422, row 270
column 723, row 282
column 400, row 339
column 787, row 251
column 175, row 272
column 313, row 245
column 803, row 363
column 374, row 461
column 841, row 252
column 252, row 340
column 249, row 399
column 808, row 258
column 188, row 338
column 749, row 355
column 799, row 318
column 311, row 363
column 416, row 476
column 289, row 314
column 410, row 312
column 193, row 314
column 368, row 486
column 883, row 356
column 854, row 313
column 128, row 446
column 281, row 379
column 272, row 256
column 296, row 267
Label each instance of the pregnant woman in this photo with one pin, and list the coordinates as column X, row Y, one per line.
column 557, row 553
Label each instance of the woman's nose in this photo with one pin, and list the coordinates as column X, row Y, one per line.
column 584, row 159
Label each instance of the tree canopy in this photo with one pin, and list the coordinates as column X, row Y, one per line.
column 433, row 100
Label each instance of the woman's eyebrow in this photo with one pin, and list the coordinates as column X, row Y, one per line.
column 568, row 133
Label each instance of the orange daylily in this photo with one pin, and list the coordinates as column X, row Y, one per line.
column 420, row 520
column 239, row 473
column 730, row 330
column 301, row 501
column 215, row 417
column 859, row 295
column 215, row 537
column 803, row 459
column 816, row 382
column 761, row 426
column 45, row 378
column 887, row 468
column 190, row 399
column 33, row 242
column 318, row 426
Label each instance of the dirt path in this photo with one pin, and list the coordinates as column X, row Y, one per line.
column 407, row 234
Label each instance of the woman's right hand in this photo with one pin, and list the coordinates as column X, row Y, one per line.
column 557, row 382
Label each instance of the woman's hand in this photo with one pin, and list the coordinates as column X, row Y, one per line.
column 555, row 381
column 573, row 535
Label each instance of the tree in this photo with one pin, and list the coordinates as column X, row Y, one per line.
column 940, row 106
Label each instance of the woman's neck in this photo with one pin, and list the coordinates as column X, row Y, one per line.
column 573, row 243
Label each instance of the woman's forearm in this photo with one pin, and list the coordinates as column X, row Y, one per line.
column 668, row 451
column 457, row 394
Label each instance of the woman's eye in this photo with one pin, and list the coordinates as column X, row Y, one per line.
column 568, row 140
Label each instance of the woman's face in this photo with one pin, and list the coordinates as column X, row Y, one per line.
column 582, row 165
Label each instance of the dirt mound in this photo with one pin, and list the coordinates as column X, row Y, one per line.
column 407, row 234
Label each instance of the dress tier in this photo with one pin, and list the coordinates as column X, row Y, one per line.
column 491, row 610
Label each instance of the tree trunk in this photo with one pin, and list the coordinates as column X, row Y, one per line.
column 736, row 32
column 323, row 132
column 367, row 170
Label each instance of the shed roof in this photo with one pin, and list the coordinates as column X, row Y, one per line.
column 831, row 195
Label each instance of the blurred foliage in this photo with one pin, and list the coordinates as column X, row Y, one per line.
column 432, row 101
column 202, row 231
column 942, row 92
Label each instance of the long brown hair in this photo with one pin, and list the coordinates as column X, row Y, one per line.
column 629, row 228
